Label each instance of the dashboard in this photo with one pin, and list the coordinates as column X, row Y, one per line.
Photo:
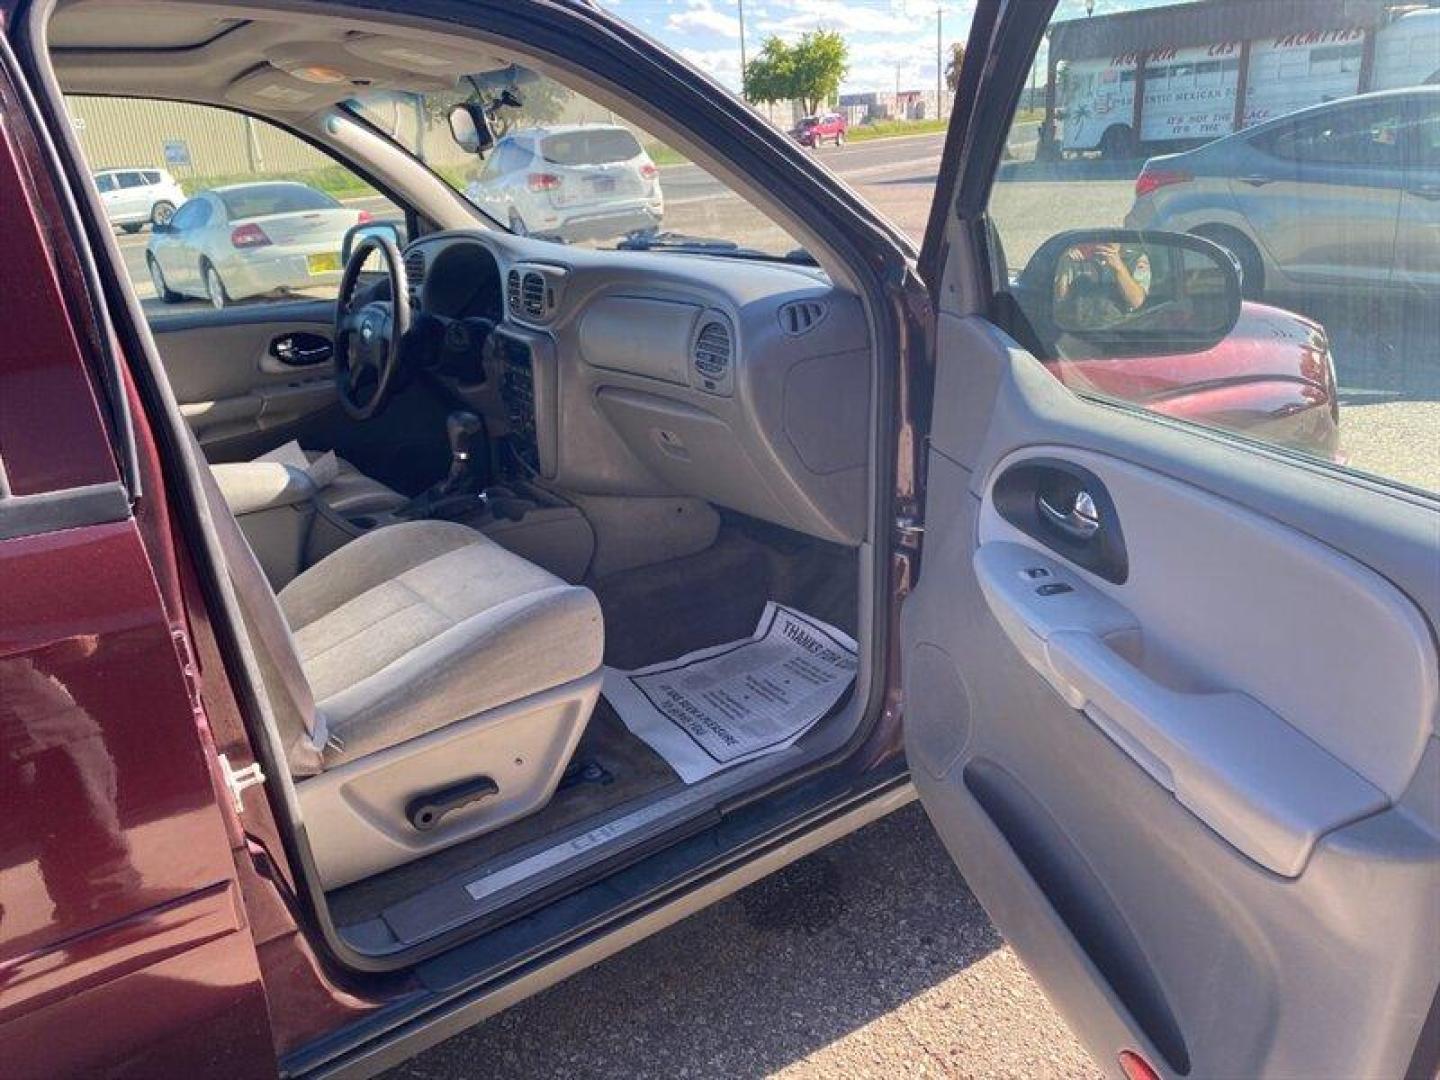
column 744, row 383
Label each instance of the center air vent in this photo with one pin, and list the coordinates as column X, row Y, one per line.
column 512, row 292
column 712, row 356
column 415, row 269
column 532, row 295
column 801, row 316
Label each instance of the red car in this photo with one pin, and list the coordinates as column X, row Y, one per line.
column 373, row 660
column 811, row 131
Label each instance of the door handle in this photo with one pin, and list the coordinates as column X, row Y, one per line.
column 1425, row 191
column 1256, row 181
column 1081, row 521
column 301, row 350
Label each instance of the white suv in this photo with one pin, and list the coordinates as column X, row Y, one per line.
column 136, row 197
column 576, row 182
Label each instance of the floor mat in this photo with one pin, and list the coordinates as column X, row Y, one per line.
column 717, row 707
column 634, row 771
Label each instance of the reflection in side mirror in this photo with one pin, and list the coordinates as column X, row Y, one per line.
column 1121, row 292
column 470, row 128
column 395, row 230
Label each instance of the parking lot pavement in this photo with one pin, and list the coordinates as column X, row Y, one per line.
column 870, row 958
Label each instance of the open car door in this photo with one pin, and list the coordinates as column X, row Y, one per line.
column 1171, row 692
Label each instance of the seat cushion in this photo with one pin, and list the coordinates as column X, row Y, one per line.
column 418, row 625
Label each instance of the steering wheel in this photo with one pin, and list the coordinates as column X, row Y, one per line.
column 367, row 338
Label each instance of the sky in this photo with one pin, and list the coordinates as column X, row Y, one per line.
column 885, row 36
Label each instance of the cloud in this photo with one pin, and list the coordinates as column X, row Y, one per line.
column 806, row 15
column 701, row 15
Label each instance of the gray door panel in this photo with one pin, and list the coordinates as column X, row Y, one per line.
column 237, row 396
column 1201, row 795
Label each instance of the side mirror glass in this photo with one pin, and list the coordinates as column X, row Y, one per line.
column 1122, row 292
column 470, row 128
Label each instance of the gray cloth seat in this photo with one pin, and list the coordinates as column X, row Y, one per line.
column 352, row 493
column 418, row 625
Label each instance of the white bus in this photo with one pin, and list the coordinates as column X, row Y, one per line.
column 1190, row 93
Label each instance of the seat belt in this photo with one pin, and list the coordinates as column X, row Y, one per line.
column 302, row 725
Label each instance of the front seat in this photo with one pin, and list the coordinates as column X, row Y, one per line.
column 428, row 685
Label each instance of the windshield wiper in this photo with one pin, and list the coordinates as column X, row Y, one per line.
column 647, row 240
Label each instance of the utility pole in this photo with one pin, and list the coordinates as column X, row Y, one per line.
column 939, row 65
column 741, row 5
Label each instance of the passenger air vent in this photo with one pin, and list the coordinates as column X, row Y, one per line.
column 415, row 270
column 712, row 356
column 532, row 295
column 801, row 316
column 512, row 292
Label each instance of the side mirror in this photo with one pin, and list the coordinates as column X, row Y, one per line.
column 1125, row 292
column 353, row 235
column 470, row 128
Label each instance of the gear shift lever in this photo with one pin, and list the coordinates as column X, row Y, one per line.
column 462, row 429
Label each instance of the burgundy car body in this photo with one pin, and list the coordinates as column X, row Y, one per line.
column 1271, row 378
column 814, row 130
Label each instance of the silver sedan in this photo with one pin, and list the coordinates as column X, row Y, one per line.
column 243, row 240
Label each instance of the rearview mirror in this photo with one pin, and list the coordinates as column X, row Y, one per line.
column 470, row 128
column 1123, row 292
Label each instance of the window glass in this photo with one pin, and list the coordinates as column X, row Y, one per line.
column 292, row 202
column 105, row 182
column 1334, row 351
column 569, row 170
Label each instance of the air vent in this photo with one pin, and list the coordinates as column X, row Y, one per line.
column 801, row 316
column 415, row 269
column 512, row 292
column 712, row 352
column 532, row 295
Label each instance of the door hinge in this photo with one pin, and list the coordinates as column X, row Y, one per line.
column 237, row 780
column 909, row 530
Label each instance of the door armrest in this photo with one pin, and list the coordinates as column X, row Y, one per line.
column 252, row 486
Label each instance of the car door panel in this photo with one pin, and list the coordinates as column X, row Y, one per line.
column 239, row 398
column 1185, row 796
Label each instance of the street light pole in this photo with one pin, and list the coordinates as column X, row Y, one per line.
column 741, row 5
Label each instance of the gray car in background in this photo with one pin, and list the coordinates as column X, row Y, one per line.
column 244, row 240
column 1334, row 197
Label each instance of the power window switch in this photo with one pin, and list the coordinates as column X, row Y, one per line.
column 1053, row 588
column 1034, row 573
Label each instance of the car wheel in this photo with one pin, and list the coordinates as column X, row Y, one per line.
column 157, row 279
column 1117, row 144
column 517, row 225
column 161, row 213
column 132, row 227
column 1252, row 266
column 214, row 287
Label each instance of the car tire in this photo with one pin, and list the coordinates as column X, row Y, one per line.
column 517, row 225
column 1252, row 266
column 161, row 213
column 1117, row 144
column 214, row 287
column 131, row 227
column 166, row 294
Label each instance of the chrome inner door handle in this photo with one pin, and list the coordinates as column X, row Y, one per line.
column 1081, row 520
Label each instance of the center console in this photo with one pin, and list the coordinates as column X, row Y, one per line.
column 527, row 366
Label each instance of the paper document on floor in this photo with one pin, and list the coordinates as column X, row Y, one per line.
column 717, row 707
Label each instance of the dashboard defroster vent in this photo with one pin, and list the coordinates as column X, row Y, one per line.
column 532, row 295
column 801, row 316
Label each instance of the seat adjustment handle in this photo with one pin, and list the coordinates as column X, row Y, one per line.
column 425, row 811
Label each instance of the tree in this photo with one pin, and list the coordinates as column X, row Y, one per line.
column 952, row 69
column 808, row 71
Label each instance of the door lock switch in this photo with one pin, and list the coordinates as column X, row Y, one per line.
column 1034, row 573
column 1053, row 588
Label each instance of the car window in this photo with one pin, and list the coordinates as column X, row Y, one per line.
column 1333, row 354
column 105, row 182
column 273, row 231
column 570, row 170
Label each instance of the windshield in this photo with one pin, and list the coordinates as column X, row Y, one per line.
column 257, row 200
column 569, row 170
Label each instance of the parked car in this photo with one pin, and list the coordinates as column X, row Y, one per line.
column 134, row 198
column 308, row 762
column 243, row 240
column 1328, row 198
column 575, row 182
column 813, row 130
